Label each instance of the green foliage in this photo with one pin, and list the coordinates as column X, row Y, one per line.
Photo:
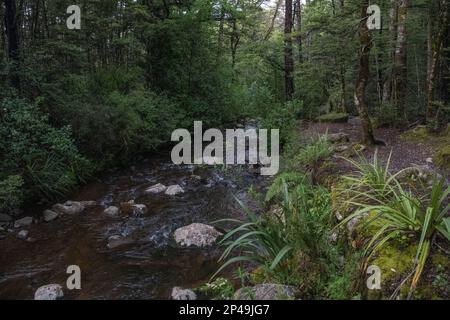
column 219, row 289
column 44, row 156
column 11, row 196
column 396, row 214
column 282, row 117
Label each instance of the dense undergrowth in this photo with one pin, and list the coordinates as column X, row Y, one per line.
column 319, row 236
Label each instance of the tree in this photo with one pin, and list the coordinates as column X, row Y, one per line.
column 288, row 56
column 436, row 43
column 363, row 77
column 13, row 38
column 400, row 63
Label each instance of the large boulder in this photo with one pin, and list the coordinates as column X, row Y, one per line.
column 196, row 234
column 157, row 188
column 183, row 294
column 174, row 190
column 49, row 292
column 265, row 291
column 69, row 207
column 4, row 218
column 26, row 221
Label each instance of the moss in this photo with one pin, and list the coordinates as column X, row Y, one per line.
column 395, row 262
column 440, row 260
column 258, row 275
column 442, row 157
column 333, row 117
column 419, row 133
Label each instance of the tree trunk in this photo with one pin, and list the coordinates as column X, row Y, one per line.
column 288, row 58
column 298, row 29
column 363, row 77
column 387, row 86
column 13, row 38
column 400, row 67
column 435, row 59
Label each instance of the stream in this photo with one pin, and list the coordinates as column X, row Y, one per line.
column 148, row 264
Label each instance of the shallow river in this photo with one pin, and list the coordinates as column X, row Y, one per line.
column 149, row 263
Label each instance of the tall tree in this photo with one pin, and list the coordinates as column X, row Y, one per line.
column 363, row 77
column 436, row 52
column 400, row 65
column 288, row 56
column 298, row 28
column 13, row 37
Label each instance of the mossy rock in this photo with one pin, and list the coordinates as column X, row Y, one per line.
column 419, row 133
column 442, row 157
column 333, row 118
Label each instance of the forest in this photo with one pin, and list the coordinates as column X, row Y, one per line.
column 363, row 112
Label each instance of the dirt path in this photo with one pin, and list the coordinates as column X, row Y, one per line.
column 405, row 153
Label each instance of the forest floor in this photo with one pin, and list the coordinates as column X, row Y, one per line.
column 406, row 151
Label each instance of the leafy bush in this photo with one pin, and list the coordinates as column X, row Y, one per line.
column 292, row 245
column 45, row 157
column 11, row 196
column 284, row 118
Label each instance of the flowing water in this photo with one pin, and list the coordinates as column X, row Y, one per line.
column 148, row 263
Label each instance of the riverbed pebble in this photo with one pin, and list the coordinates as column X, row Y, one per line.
column 174, row 190
column 23, row 234
column 157, row 188
column 26, row 221
column 49, row 292
column 50, row 215
column 69, row 207
column 183, row 294
column 112, row 211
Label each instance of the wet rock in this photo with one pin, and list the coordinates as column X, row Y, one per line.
column 183, row 294
column 26, row 221
column 23, row 234
column 117, row 241
column 174, row 190
column 49, row 292
column 139, row 209
column 69, row 207
column 88, row 204
column 112, row 211
column 338, row 137
column 130, row 207
column 196, row 234
column 265, row 291
column 157, row 188
column 50, row 215
column 5, row 218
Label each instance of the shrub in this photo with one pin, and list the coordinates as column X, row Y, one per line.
column 45, row 157
column 11, row 196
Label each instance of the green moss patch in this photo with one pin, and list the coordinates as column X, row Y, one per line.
column 442, row 157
